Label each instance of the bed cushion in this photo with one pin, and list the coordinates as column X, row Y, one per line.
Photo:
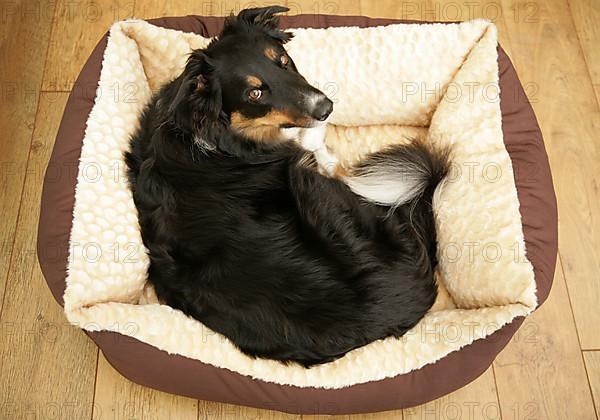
column 493, row 301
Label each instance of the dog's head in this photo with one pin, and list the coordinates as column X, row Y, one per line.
column 246, row 79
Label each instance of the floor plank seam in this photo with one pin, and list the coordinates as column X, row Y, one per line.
column 496, row 388
column 95, row 381
column 587, row 374
column 569, row 299
column 42, row 82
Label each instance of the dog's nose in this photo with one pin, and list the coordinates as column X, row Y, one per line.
column 322, row 109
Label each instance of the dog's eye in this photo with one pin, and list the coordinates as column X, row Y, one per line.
column 285, row 60
column 255, row 94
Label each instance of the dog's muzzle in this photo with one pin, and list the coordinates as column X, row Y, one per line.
column 322, row 109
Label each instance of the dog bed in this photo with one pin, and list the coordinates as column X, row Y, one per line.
column 449, row 84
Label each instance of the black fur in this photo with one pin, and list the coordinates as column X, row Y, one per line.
column 287, row 263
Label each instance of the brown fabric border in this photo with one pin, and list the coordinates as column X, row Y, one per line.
column 149, row 366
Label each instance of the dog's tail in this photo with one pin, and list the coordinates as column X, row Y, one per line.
column 407, row 176
column 399, row 174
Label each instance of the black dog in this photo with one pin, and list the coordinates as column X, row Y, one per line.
column 244, row 231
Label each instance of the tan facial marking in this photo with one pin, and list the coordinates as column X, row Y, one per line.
column 271, row 54
column 254, row 81
column 264, row 129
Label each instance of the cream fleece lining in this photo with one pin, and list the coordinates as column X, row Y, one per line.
column 437, row 81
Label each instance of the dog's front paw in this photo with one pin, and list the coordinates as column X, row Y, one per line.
column 313, row 138
column 292, row 133
column 329, row 164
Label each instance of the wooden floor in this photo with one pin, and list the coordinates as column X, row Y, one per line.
column 550, row 370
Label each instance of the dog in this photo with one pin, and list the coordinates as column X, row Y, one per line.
column 247, row 231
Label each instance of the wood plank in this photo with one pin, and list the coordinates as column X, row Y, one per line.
column 477, row 400
column 570, row 133
column 119, row 398
column 46, row 366
column 592, row 365
column 158, row 8
column 78, row 26
column 383, row 415
column 586, row 16
column 393, row 9
column 543, row 363
column 149, row 9
column 209, row 410
column 25, row 38
column 426, row 10
column 324, row 7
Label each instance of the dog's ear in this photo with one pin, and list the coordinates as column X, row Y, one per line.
column 264, row 18
column 196, row 104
